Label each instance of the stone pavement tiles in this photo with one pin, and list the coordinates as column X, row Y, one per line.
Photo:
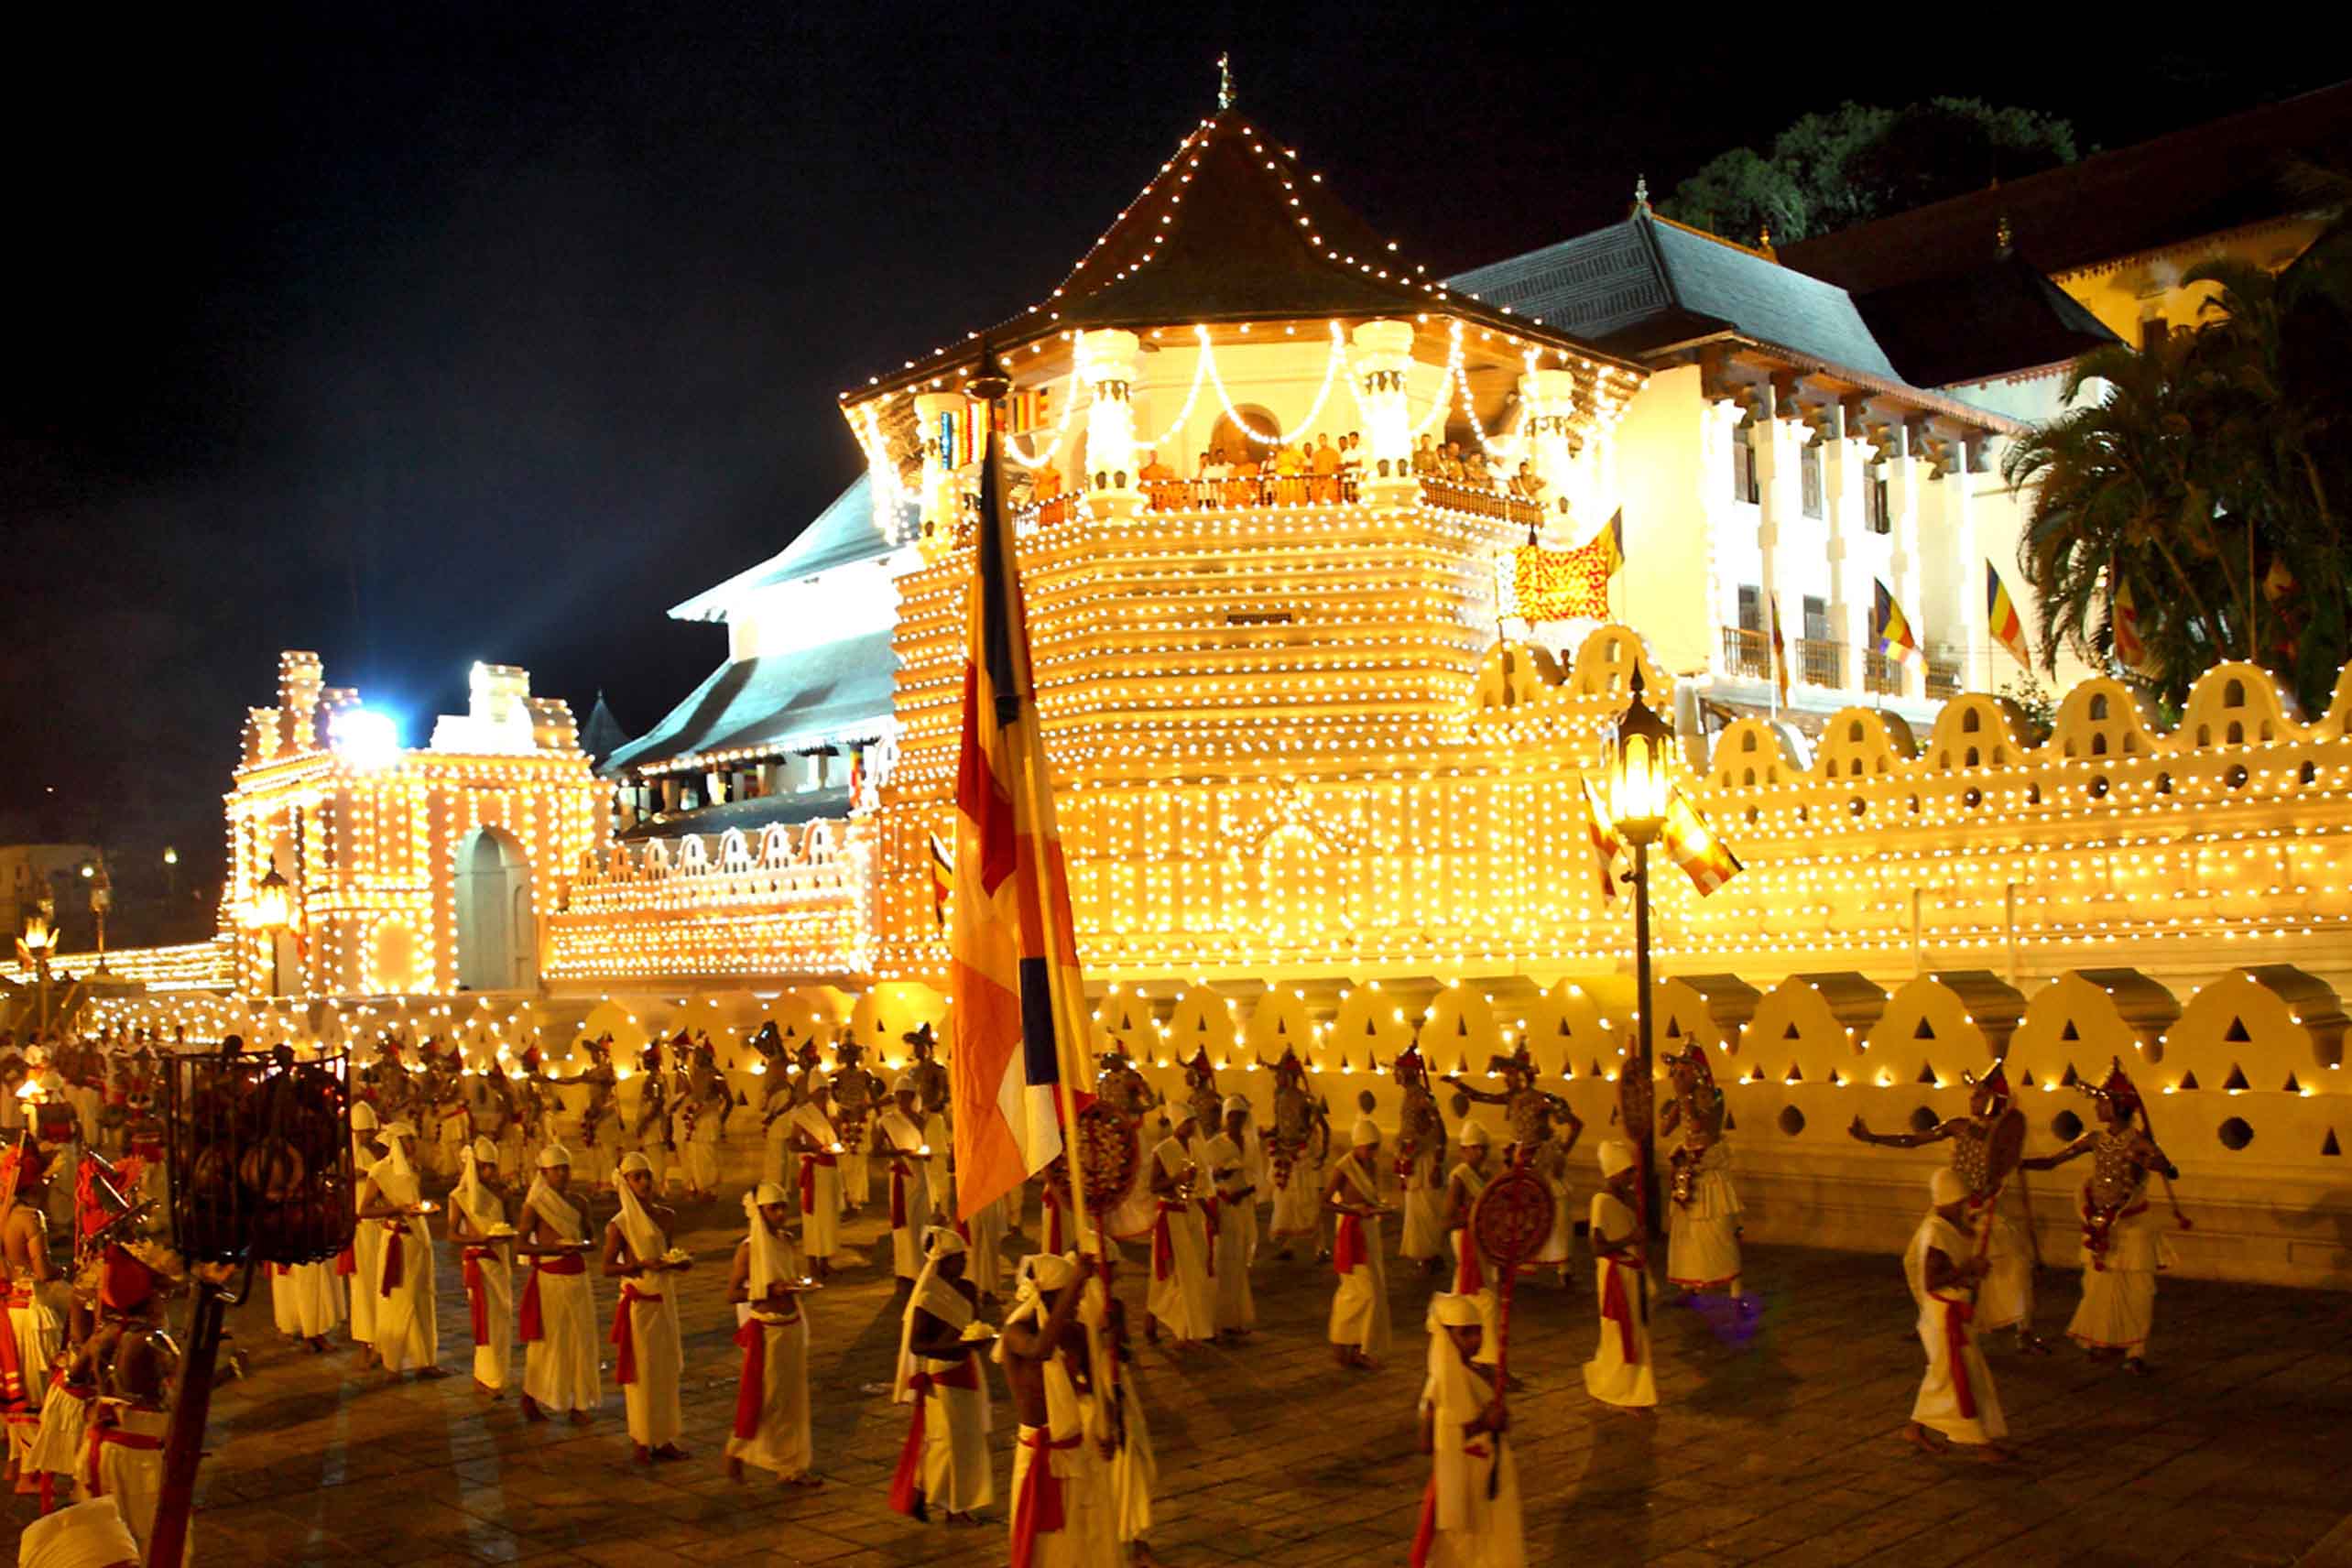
column 1784, row 1451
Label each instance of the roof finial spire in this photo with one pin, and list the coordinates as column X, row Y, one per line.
column 1224, row 82
column 1641, row 194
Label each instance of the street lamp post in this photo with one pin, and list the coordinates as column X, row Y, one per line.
column 102, row 898
column 36, row 947
column 271, row 912
column 1640, row 783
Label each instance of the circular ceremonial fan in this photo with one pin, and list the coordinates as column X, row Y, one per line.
column 1110, row 1154
column 1637, row 1099
column 1512, row 1218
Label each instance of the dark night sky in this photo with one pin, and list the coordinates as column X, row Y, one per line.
column 418, row 336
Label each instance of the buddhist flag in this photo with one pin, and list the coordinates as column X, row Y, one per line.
column 1705, row 858
column 2130, row 652
column 1020, row 1007
column 1610, row 544
column 1893, row 628
column 943, row 875
column 1779, row 649
column 1606, row 847
column 2001, row 618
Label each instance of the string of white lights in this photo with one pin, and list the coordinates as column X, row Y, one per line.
column 1323, row 394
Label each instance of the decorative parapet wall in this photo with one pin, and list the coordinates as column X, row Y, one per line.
column 209, row 965
column 789, row 901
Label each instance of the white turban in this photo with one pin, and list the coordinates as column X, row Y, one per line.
column 940, row 1241
column 1366, row 1133
column 768, row 1261
column 1617, row 1155
column 635, row 1159
column 1473, row 1133
column 768, row 1193
column 1945, row 1186
column 84, row 1535
column 553, row 1155
column 1237, row 1103
column 905, row 1085
column 391, row 1131
column 644, row 1237
column 1463, row 1310
column 485, row 1151
column 1039, row 1272
column 363, row 1117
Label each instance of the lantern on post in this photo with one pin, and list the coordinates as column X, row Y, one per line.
column 1642, row 784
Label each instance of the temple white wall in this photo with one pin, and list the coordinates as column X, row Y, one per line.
column 846, row 601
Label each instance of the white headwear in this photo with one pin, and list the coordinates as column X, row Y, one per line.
column 768, row 1260
column 553, row 1155
column 1039, row 1272
column 83, row 1535
column 552, row 1205
column 391, row 1131
column 1472, row 1132
column 1457, row 1309
column 1945, row 1186
column 1616, row 1156
column 946, row 1303
column 644, row 1237
column 363, row 1117
column 635, row 1159
column 1237, row 1103
column 485, row 1151
column 396, row 1153
column 1366, row 1133
column 470, row 1196
column 905, row 1085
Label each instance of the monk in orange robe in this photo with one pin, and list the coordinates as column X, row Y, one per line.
column 1159, row 482
column 1326, row 471
column 1242, row 489
column 1045, row 489
column 1290, row 474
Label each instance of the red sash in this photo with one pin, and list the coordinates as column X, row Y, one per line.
column 1347, row 1245
column 1468, row 1276
column 11, row 1371
column 1163, row 1249
column 1054, row 1221
column 751, row 1388
column 99, row 1437
column 624, row 1338
column 809, row 1163
column 906, row 1482
column 534, row 1330
column 1617, row 1307
column 1038, row 1509
column 475, row 1294
column 346, row 1263
column 1956, row 1315
column 1425, row 1536
column 395, row 1267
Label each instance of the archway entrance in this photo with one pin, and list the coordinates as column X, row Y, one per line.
column 498, row 933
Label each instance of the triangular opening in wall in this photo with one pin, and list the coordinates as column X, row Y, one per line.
column 2069, row 1081
column 2237, row 1079
column 1833, row 1077
column 1561, row 1028
column 1461, row 1025
column 1461, row 1065
column 2069, row 1032
column 2024, row 1079
column 2331, row 1146
column 1791, row 1032
column 1925, row 1032
column 1596, row 1067
column 1926, row 1073
column 1729, row 1125
column 1794, row 1075
column 1673, row 1028
column 1282, row 1026
column 1371, row 1026
column 2236, row 1033
column 2292, row 1086
column 2189, row 1081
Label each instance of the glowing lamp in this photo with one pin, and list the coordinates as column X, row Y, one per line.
column 1640, row 772
column 271, row 907
column 363, row 738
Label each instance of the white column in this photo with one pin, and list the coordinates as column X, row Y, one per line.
column 1549, row 399
column 1384, row 353
column 1780, row 486
column 1721, row 417
column 1106, row 360
column 1845, row 479
column 1905, row 495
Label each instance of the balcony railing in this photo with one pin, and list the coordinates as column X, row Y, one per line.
column 1881, row 675
column 1456, row 495
column 1746, row 654
column 1821, row 663
column 1943, row 674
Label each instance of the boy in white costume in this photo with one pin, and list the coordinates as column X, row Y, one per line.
column 1181, row 1296
column 816, row 1144
column 1359, row 1307
column 391, row 1201
column 898, row 1138
column 651, row 1357
column 358, row 1263
column 558, row 1315
column 480, row 1229
column 944, row 1463
column 771, row 1416
column 1470, row 1512
column 1234, row 1243
column 1956, row 1399
column 1620, row 1374
column 1062, row 1514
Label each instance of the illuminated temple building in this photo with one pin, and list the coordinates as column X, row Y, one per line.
column 1319, row 734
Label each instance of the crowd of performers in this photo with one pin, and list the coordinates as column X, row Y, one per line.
column 85, row 1369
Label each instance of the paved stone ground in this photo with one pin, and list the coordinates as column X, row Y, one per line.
column 1783, row 1452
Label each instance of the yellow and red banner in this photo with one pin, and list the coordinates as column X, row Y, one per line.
column 2001, row 618
column 1568, row 584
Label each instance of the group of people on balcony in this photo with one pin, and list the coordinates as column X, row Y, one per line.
column 1475, row 470
column 1321, row 472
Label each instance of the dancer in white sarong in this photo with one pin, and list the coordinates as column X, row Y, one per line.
column 306, row 1301
column 1234, row 1243
column 776, row 1129
column 358, row 1263
column 558, row 1313
column 1181, row 1296
column 771, row 1415
column 1703, row 1208
column 898, row 1138
column 1061, row 1508
column 391, row 1201
column 2124, row 1244
column 1359, row 1307
column 483, row 1234
column 944, row 1463
column 1956, row 1399
column 1470, row 1513
column 816, row 1144
column 1620, row 1372
column 650, row 1357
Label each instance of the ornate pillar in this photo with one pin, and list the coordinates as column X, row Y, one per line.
column 1550, row 398
column 1107, row 364
column 1384, row 356
column 1717, row 419
column 942, row 497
